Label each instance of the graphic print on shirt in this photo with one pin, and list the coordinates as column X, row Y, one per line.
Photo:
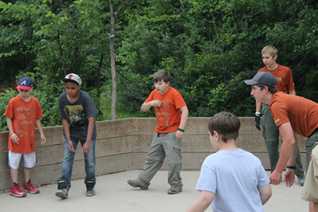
column 76, row 117
column 26, row 119
column 162, row 113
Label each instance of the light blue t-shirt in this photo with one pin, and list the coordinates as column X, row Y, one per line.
column 234, row 177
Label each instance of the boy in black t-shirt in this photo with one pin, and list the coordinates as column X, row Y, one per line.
column 77, row 111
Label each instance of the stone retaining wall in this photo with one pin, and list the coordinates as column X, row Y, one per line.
column 123, row 144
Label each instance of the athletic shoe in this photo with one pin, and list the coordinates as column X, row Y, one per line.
column 174, row 190
column 90, row 188
column 62, row 191
column 301, row 180
column 16, row 190
column 135, row 184
column 30, row 187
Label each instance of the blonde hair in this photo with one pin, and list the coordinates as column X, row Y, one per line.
column 270, row 49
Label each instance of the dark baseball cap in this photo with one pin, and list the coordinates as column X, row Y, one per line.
column 264, row 77
column 25, row 83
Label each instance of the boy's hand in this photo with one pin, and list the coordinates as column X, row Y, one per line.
column 275, row 177
column 70, row 146
column 257, row 122
column 43, row 139
column 179, row 134
column 86, row 147
column 15, row 139
column 289, row 177
column 156, row 103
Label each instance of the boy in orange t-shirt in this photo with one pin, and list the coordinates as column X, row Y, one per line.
column 23, row 114
column 291, row 114
column 172, row 114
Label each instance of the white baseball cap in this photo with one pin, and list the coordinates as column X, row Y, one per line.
column 73, row 78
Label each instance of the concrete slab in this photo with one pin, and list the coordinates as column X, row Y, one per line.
column 113, row 194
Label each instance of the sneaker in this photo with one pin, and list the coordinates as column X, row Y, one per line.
column 30, row 187
column 62, row 190
column 135, row 184
column 90, row 188
column 174, row 190
column 301, row 180
column 16, row 190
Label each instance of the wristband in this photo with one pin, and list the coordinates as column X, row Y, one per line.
column 12, row 135
column 290, row 167
column 257, row 113
column 182, row 130
column 151, row 104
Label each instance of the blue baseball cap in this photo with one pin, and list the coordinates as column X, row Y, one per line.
column 263, row 77
column 25, row 83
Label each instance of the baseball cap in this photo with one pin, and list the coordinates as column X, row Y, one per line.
column 264, row 77
column 25, row 83
column 73, row 78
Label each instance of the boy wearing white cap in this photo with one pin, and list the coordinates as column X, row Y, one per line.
column 77, row 111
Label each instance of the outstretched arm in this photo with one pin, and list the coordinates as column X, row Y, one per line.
column 287, row 155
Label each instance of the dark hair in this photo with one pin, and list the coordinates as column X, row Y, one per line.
column 226, row 124
column 270, row 89
column 162, row 75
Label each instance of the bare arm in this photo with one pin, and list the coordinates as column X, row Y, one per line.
column 67, row 135
column 202, row 203
column 184, row 117
column 287, row 154
column 265, row 192
column 258, row 106
column 292, row 92
column 148, row 105
column 14, row 137
column 39, row 126
column 90, row 130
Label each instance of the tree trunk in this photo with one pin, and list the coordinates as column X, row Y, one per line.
column 112, row 60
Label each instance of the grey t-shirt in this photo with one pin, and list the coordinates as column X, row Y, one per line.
column 77, row 115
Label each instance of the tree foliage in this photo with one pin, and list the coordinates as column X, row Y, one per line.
column 209, row 47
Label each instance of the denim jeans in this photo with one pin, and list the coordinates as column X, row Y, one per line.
column 68, row 160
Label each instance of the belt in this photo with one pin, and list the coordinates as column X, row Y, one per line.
column 316, row 130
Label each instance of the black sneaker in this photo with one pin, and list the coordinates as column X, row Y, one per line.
column 62, row 190
column 90, row 188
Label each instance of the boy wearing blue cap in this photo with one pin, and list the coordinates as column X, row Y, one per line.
column 23, row 114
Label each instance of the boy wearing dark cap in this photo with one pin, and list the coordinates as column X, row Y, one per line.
column 285, row 83
column 291, row 114
column 23, row 114
column 77, row 111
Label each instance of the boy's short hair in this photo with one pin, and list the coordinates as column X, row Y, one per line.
column 226, row 124
column 162, row 75
column 270, row 49
column 272, row 90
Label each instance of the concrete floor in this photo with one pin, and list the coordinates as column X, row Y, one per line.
column 113, row 194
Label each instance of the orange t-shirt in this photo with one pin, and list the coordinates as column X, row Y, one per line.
column 24, row 115
column 302, row 113
column 169, row 114
column 284, row 78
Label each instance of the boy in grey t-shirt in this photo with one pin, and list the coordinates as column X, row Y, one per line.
column 231, row 179
column 77, row 111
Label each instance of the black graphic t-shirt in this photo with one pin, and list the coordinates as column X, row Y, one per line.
column 77, row 115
